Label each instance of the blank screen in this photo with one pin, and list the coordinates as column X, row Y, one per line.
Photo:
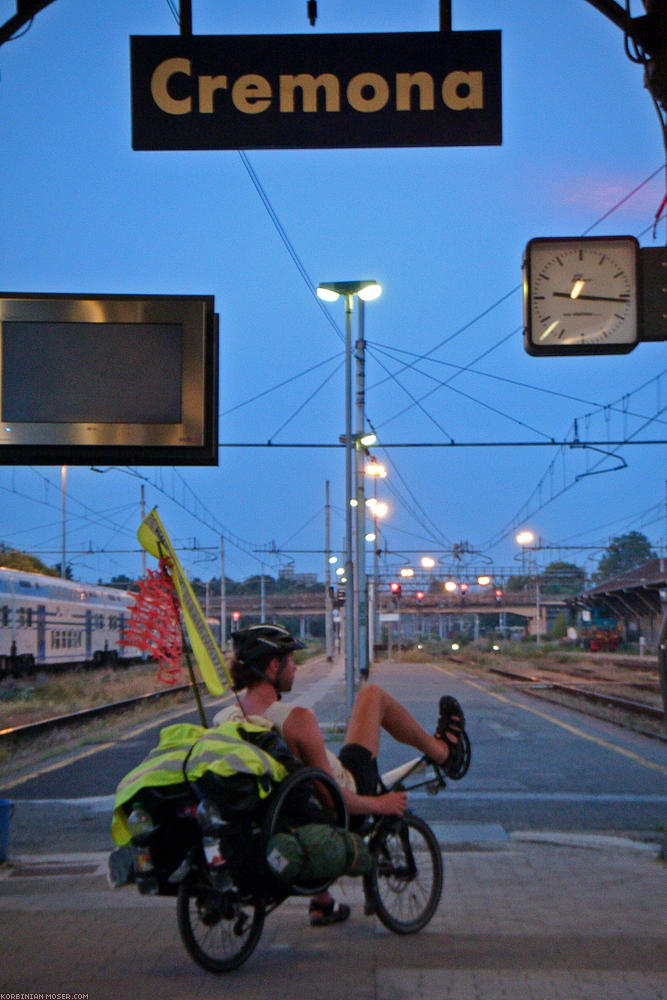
column 92, row 372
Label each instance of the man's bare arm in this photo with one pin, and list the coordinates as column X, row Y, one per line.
column 304, row 738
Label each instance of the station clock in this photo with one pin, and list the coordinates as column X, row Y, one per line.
column 581, row 295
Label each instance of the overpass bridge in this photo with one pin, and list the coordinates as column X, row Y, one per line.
column 434, row 613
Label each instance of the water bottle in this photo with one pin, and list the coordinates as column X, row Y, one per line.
column 139, row 824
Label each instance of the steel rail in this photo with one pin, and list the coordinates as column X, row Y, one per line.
column 86, row 714
column 613, row 701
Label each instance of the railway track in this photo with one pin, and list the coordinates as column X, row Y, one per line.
column 539, row 681
column 44, row 726
column 601, row 697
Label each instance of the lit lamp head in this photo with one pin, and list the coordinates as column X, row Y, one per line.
column 329, row 291
column 378, row 507
column 375, row 468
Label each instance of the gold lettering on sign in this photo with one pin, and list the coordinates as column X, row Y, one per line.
column 472, row 83
column 309, row 86
column 356, row 87
column 207, row 88
column 251, row 94
column 159, row 87
column 405, row 82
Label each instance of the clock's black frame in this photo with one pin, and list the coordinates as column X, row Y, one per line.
column 565, row 350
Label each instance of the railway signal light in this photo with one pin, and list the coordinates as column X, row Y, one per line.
column 499, row 596
column 395, row 589
column 420, row 596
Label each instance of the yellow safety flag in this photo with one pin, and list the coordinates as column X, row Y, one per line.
column 206, row 651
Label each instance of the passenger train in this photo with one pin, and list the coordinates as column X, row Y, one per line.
column 46, row 621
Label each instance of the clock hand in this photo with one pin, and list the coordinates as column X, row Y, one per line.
column 597, row 298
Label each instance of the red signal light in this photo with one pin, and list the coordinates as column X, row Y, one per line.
column 463, row 587
column 420, row 595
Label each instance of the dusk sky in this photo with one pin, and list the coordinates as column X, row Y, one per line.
column 443, row 230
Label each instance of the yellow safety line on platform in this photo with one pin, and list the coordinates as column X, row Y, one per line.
column 76, row 757
column 570, row 728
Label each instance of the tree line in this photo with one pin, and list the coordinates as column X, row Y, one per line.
column 624, row 552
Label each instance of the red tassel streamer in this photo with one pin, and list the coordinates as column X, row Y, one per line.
column 155, row 624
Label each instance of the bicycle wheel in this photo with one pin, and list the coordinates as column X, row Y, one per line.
column 293, row 803
column 219, row 929
column 406, row 879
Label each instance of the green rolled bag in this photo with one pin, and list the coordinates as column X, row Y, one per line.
column 317, row 851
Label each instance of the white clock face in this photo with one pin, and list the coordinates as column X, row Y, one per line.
column 582, row 296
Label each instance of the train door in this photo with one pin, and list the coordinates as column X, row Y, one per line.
column 89, row 634
column 41, row 633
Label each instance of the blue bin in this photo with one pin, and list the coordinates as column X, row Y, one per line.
column 6, row 810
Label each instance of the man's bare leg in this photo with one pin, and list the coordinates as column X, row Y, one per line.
column 375, row 709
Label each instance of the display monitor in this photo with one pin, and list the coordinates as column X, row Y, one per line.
column 99, row 379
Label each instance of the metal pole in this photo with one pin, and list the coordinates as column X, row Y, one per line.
column 328, row 603
column 445, row 15
column 360, row 512
column 143, row 516
column 223, row 598
column 185, row 17
column 349, row 566
column 539, row 611
column 63, row 489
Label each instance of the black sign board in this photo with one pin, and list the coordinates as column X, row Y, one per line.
column 316, row 91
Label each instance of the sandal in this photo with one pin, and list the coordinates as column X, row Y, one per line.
column 451, row 730
column 323, row 914
column 451, row 721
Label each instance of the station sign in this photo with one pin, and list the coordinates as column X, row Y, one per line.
column 316, row 91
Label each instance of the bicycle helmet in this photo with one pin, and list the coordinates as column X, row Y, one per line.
column 256, row 646
column 262, row 642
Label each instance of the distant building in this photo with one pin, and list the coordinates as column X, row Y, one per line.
column 287, row 573
column 634, row 599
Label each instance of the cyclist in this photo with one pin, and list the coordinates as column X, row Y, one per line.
column 262, row 666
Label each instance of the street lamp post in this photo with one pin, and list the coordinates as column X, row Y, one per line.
column 523, row 539
column 329, row 292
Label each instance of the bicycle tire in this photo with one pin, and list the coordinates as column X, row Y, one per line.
column 405, row 882
column 220, row 931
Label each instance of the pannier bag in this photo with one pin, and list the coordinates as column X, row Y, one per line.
column 317, row 851
column 222, row 763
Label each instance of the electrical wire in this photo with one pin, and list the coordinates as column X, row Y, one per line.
column 390, row 350
column 279, row 385
column 305, row 402
column 273, row 215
